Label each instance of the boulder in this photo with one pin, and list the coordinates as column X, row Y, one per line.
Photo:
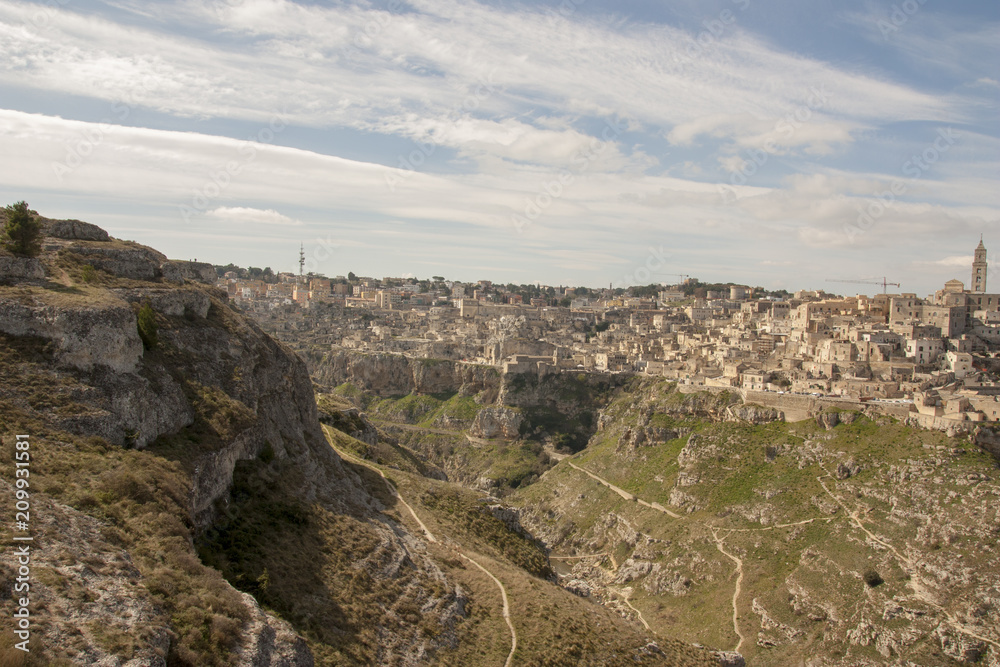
column 730, row 659
column 848, row 469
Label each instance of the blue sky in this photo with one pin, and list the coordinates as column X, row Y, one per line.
column 570, row 142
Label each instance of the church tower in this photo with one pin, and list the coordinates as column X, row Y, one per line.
column 979, row 269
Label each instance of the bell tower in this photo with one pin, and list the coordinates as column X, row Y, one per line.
column 978, row 283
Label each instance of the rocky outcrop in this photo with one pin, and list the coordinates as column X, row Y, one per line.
column 395, row 374
column 752, row 414
column 86, row 335
column 988, row 440
column 74, row 230
column 131, row 261
column 497, row 422
column 77, row 555
column 848, row 469
column 180, row 272
column 353, row 422
column 21, row 269
column 270, row 642
column 170, row 301
column 829, row 419
column 730, row 659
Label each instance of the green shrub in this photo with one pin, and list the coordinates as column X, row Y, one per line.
column 872, row 578
column 22, row 234
column 88, row 274
column 147, row 326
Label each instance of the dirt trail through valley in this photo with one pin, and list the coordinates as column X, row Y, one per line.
column 739, row 585
column 431, row 538
column 623, row 493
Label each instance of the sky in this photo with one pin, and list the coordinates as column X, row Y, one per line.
column 563, row 142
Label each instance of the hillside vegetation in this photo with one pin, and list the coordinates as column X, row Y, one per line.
column 868, row 544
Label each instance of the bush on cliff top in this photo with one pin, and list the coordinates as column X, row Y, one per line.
column 22, row 234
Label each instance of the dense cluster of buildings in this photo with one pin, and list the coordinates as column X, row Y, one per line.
column 932, row 353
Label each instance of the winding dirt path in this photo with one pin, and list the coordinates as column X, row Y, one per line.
column 779, row 525
column 506, row 608
column 739, row 586
column 431, row 538
column 625, row 494
column 637, row 612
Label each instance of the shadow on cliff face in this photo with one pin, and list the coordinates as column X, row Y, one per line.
column 332, row 568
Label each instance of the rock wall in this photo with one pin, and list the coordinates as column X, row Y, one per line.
column 387, row 374
column 214, row 391
column 497, row 422
column 86, row 335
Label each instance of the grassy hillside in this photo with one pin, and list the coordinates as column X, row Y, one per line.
column 554, row 627
column 870, row 543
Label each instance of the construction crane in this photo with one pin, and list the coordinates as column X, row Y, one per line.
column 884, row 282
column 678, row 275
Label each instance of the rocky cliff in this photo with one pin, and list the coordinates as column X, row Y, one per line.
column 140, row 446
column 385, row 374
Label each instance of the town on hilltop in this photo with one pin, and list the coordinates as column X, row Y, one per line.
column 929, row 361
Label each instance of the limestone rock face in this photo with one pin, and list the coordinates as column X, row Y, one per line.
column 181, row 272
column 87, row 336
column 752, row 414
column 170, row 301
column 493, row 422
column 20, row 269
column 271, row 642
column 74, row 230
column 828, row 420
column 394, row 374
column 847, row 469
column 988, row 441
column 134, row 261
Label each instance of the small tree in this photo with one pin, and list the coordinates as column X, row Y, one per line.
column 22, row 234
column 147, row 326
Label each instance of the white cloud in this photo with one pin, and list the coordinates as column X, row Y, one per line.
column 955, row 261
column 242, row 214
